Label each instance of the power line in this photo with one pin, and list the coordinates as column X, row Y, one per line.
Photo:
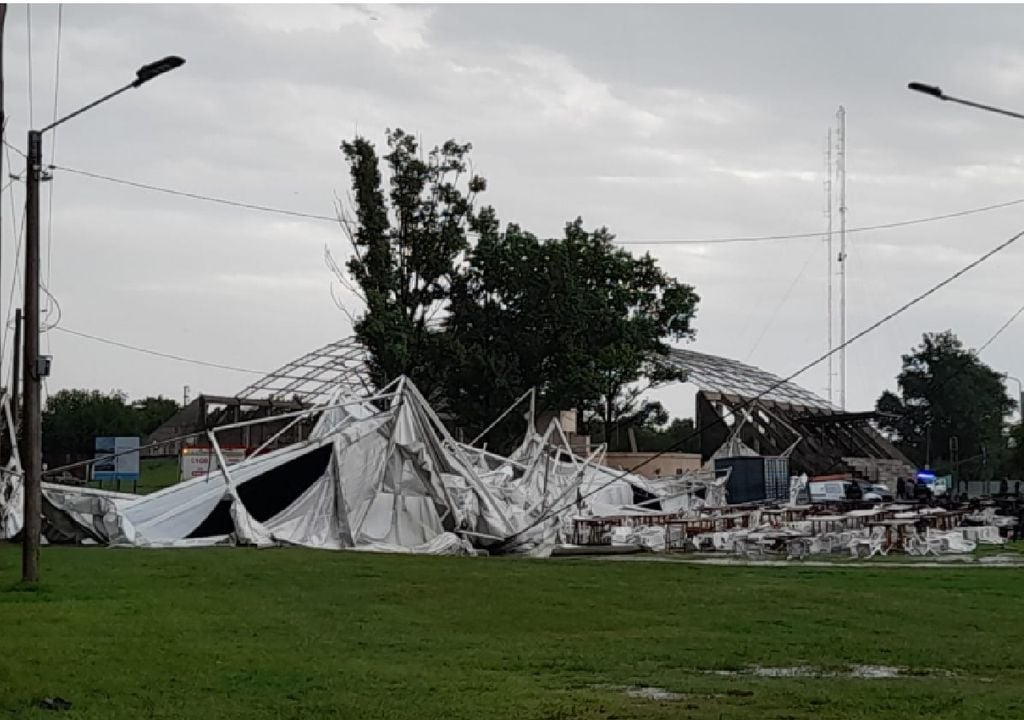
column 744, row 405
column 785, row 298
column 18, row 229
column 967, row 359
column 710, row 241
column 1000, row 331
column 28, row 25
column 53, row 151
column 198, row 196
column 157, row 353
column 51, row 302
column 15, row 148
column 798, row 236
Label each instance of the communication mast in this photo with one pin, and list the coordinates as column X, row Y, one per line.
column 841, row 178
column 828, row 257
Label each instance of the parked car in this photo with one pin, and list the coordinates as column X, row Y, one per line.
column 882, row 491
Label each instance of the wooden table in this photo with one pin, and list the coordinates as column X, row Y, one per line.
column 896, row 532
column 948, row 520
column 591, row 531
column 821, row 524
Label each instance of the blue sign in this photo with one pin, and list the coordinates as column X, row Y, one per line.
column 926, row 476
column 117, row 458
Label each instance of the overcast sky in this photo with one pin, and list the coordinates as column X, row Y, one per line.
column 657, row 122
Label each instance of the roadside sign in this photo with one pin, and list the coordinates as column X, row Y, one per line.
column 198, row 461
column 117, row 458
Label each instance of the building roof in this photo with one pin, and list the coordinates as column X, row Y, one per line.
column 315, row 376
column 712, row 374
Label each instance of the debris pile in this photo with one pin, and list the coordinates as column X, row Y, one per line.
column 384, row 474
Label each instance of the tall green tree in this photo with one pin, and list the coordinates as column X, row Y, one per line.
column 948, row 398
column 72, row 419
column 152, row 412
column 407, row 243
column 476, row 325
column 652, row 431
column 576, row 317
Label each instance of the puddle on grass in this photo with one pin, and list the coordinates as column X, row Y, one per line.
column 864, row 672
column 644, row 692
column 874, row 672
column 654, row 693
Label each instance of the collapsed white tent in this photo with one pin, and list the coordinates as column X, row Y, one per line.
column 368, row 477
column 377, row 474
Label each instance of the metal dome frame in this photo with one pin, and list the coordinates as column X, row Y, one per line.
column 317, row 375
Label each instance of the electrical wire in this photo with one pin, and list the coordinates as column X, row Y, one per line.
column 157, row 353
column 55, row 306
column 710, row 241
column 968, row 358
column 28, row 26
column 19, row 234
column 798, row 236
column 15, row 148
column 782, row 302
column 751, row 401
column 1000, row 331
column 53, row 154
column 198, row 196
column 10, row 183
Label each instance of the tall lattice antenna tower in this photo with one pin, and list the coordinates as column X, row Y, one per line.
column 828, row 258
column 841, row 178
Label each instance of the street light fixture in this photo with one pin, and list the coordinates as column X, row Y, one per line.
column 36, row 367
column 936, row 91
column 1020, row 395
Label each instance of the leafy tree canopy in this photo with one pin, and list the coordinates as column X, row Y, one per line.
column 949, row 402
column 477, row 324
column 73, row 419
column 406, row 245
column 576, row 317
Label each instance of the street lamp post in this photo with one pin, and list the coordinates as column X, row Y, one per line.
column 36, row 367
column 936, row 92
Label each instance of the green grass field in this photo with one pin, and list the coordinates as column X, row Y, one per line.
column 156, row 474
column 288, row 633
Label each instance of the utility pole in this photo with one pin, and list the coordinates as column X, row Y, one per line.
column 35, row 366
column 32, row 426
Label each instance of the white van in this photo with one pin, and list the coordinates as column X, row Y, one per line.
column 828, row 491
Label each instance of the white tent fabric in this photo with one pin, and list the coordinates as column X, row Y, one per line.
column 11, row 503
column 373, row 475
column 390, row 478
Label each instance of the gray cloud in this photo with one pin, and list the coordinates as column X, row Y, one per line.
column 657, row 121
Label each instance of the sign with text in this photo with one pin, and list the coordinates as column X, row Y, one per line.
column 117, row 458
column 198, row 461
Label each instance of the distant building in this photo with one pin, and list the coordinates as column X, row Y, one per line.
column 653, row 465
column 212, row 411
